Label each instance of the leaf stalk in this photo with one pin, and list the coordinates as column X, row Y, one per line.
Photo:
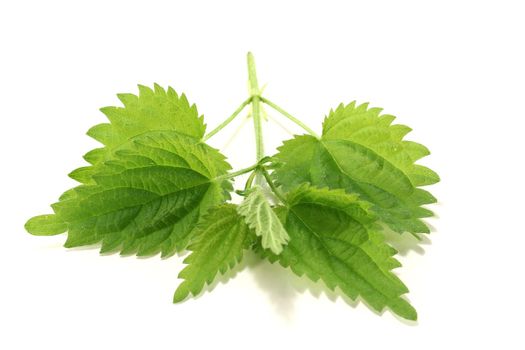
column 289, row 116
column 274, row 188
column 228, row 120
column 238, row 172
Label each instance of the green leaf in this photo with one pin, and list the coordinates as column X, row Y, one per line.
column 220, row 240
column 147, row 198
column 333, row 238
column 259, row 215
column 361, row 152
column 367, row 127
column 152, row 110
column 45, row 225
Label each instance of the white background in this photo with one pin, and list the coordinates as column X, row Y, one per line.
column 452, row 70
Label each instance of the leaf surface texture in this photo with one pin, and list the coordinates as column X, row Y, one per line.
column 260, row 216
column 362, row 152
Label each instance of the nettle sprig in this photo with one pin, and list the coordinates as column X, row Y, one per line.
column 318, row 206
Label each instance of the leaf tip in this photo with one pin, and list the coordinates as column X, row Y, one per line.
column 82, row 174
column 159, row 89
column 403, row 309
column 45, row 225
column 180, row 294
column 144, row 90
column 276, row 249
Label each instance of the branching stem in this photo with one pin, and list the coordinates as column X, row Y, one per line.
column 274, row 188
column 255, row 99
column 249, row 182
column 228, row 120
column 289, row 116
column 238, row 172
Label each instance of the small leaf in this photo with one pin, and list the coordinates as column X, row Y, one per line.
column 220, row 240
column 260, row 216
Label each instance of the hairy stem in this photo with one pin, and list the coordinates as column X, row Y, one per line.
column 256, row 109
column 238, row 172
column 229, row 120
column 289, row 116
column 249, row 182
column 275, row 190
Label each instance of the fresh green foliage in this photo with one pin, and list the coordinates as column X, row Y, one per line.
column 156, row 187
column 152, row 110
column 219, row 242
column 150, row 185
column 147, row 198
column 259, row 215
column 362, row 152
column 334, row 237
column 46, row 225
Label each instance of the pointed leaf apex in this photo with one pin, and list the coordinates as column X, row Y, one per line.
column 145, row 91
column 180, row 294
column 128, row 99
column 159, row 89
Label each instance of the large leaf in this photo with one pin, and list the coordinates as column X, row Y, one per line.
column 220, row 240
column 152, row 110
column 333, row 238
column 260, row 216
column 361, row 152
column 149, row 185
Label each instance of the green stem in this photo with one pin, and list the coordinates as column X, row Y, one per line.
column 229, row 120
column 289, row 116
column 256, row 110
column 275, row 190
column 238, row 172
column 249, row 182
